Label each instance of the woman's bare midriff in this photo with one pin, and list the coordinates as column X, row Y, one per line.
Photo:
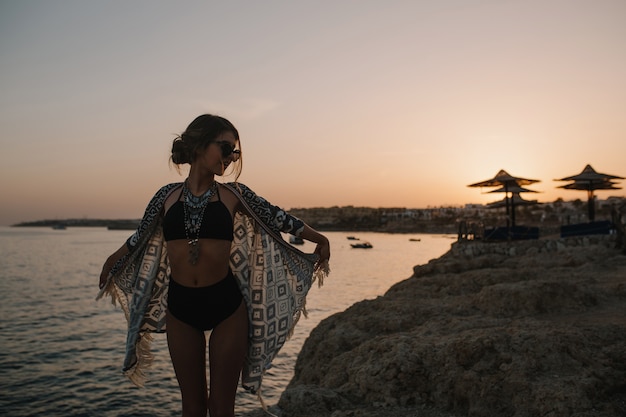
column 212, row 265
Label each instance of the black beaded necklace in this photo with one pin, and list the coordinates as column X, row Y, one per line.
column 193, row 209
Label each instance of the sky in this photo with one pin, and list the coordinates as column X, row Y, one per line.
column 338, row 102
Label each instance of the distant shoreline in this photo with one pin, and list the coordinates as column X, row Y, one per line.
column 547, row 217
column 131, row 224
column 113, row 224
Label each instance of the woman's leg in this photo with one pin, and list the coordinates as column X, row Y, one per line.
column 187, row 347
column 228, row 346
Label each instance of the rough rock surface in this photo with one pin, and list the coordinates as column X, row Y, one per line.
column 509, row 329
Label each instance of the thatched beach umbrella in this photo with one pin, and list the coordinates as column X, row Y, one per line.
column 590, row 181
column 503, row 178
column 508, row 184
column 515, row 199
column 514, row 189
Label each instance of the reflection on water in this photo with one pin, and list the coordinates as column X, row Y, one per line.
column 62, row 351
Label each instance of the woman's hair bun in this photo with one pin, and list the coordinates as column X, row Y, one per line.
column 180, row 152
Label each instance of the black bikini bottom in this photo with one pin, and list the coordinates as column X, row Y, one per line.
column 204, row 307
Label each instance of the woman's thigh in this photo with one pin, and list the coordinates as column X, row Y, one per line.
column 228, row 346
column 187, row 347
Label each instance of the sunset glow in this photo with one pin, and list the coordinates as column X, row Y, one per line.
column 364, row 103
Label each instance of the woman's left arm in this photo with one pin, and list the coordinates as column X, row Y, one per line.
column 281, row 221
column 323, row 245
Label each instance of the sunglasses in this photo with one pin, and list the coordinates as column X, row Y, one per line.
column 228, row 149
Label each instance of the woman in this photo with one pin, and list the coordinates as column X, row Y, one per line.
column 209, row 256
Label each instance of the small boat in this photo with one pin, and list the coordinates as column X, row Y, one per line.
column 364, row 245
column 414, row 240
column 295, row 240
column 352, row 238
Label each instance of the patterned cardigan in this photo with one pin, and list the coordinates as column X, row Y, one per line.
column 274, row 278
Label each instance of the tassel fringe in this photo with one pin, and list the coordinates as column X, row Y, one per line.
column 321, row 271
column 136, row 373
column 263, row 405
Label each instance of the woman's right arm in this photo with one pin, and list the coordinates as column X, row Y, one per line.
column 155, row 207
column 112, row 260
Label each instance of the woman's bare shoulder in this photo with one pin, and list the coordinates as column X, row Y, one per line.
column 230, row 194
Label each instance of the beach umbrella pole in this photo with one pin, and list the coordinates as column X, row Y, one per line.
column 512, row 211
column 506, row 198
column 591, row 205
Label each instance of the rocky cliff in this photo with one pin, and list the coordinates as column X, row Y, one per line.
column 514, row 329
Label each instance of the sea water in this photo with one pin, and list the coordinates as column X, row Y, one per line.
column 61, row 351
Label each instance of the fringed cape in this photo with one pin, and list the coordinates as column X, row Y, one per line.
column 274, row 278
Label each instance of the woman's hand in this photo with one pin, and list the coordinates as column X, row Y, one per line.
column 323, row 250
column 109, row 263
column 106, row 268
column 323, row 245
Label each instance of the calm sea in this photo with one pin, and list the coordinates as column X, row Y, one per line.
column 61, row 351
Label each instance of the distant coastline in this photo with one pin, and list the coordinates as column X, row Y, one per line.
column 341, row 226
column 546, row 216
column 112, row 224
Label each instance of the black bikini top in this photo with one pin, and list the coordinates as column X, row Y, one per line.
column 217, row 222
